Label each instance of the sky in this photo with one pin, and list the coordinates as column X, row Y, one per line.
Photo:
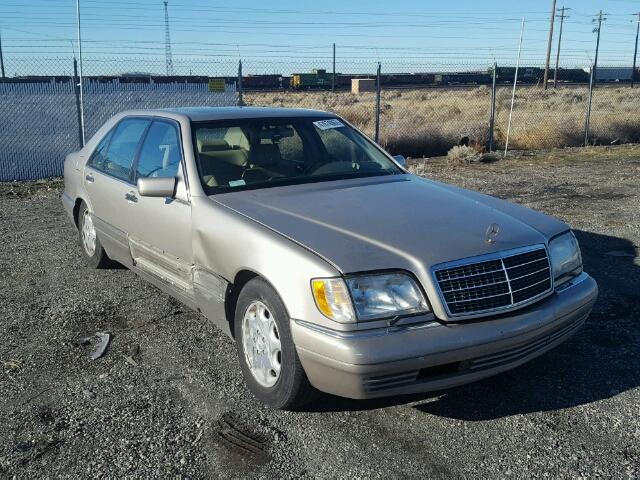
column 280, row 36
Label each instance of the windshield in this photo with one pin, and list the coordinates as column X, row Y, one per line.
column 263, row 152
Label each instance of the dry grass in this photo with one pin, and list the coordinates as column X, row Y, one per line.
column 429, row 122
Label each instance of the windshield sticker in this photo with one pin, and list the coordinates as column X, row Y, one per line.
column 236, row 183
column 327, row 124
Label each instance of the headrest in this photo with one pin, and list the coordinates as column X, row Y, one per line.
column 213, row 145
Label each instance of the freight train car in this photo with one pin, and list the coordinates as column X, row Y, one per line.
column 462, row 78
column 262, row 82
column 570, row 75
column 406, row 79
column 613, row 74
column 525, row 74
column 318, row 79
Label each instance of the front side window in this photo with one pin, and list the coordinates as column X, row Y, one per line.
column 160, row 153
column 123, row 147
column 263, row 152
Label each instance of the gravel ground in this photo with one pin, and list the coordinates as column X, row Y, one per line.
column 167, row 398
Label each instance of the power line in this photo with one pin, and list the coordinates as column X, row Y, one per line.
column 207, row 7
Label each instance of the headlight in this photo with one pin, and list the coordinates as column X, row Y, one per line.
column 565, row 256
column 385, row 295
column 374, row 296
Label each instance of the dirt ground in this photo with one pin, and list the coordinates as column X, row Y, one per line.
column 168, row 399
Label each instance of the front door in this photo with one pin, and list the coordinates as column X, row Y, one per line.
column 160, row 228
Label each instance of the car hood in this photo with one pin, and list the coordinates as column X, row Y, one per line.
column 391, row 222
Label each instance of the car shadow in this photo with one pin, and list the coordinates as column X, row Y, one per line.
column 600, row 361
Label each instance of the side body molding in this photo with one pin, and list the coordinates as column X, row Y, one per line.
column 169, row 268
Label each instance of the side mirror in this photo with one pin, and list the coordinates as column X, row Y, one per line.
column 400, row 159
column 157, row 187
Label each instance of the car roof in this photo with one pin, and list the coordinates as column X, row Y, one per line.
column 203, row 114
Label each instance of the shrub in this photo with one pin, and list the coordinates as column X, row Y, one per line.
column 462, row 154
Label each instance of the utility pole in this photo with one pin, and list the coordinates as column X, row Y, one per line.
column 546, row 65
column 562, row 16
column 595, row 61
column 2, row 59
column 635, row 52
column 167, row 40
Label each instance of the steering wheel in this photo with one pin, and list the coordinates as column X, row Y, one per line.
column 257, row 170
column 319, row 163
column 157, row 169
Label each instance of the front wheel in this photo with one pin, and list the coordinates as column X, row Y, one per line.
column 268, row 357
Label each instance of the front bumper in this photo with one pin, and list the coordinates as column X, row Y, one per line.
column 434, row 356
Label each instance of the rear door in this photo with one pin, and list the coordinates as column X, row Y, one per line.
column 108, row 180
column 160, row 228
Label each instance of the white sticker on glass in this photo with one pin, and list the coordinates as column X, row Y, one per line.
column 327, row 124
column 236, row 183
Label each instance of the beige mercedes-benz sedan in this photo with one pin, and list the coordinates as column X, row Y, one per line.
column 331, row 266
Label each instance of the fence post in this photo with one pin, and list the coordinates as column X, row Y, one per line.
column 587, row 122
column 2, row 58
column 240, row 101
column 333, row 77
column 492, row 112
column 76, row 91
column 377, row 136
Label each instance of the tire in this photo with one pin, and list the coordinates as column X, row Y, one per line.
column 289, row 387
column 92, row 250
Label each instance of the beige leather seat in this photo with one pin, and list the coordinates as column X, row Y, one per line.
column 220, row 167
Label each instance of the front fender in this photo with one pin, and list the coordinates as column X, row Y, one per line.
column 226, row 242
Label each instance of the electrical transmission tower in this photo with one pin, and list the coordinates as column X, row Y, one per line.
column 167, row 40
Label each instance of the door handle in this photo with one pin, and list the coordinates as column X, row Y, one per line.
column 89, row 178
column 131, row 197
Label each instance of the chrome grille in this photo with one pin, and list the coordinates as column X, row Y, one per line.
column 502, row 281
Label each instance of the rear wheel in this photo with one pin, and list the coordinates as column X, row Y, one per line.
column 92, row 249
column 268, row 357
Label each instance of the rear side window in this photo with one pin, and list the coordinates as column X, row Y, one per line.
column 160, row 155
column 123, row 146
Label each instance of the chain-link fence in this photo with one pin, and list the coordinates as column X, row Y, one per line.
column 40, row 115
column 409, row 108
